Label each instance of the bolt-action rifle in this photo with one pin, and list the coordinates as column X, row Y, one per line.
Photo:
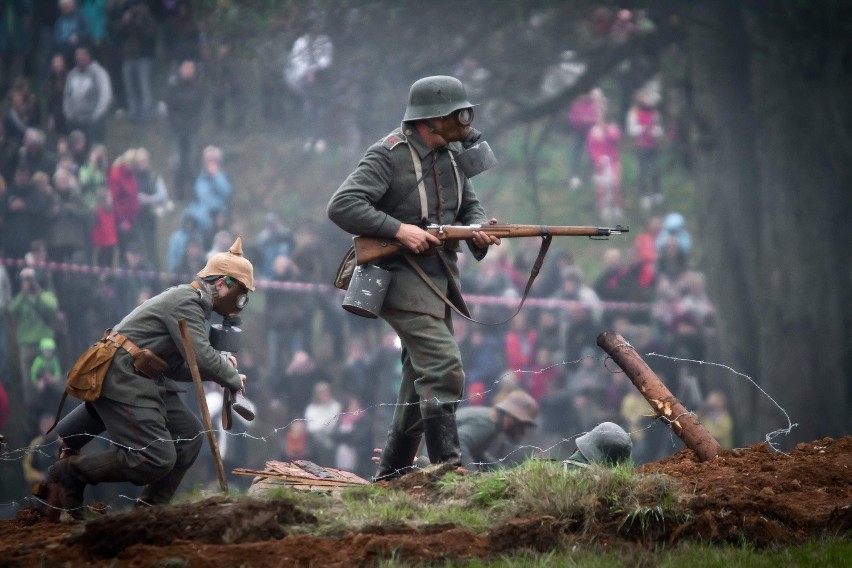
column 369, row 249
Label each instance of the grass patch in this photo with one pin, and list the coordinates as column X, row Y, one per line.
column 826, row 553
column 582, row 498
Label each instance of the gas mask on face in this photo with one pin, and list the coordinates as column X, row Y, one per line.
column 477, row 155
column 226, row 336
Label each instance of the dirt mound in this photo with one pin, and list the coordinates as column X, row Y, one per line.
column 755, row 494
column 763, row 495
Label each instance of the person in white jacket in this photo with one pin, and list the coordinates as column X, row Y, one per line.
column 87, row 96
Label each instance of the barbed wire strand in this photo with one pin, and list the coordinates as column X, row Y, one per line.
column 19, row 453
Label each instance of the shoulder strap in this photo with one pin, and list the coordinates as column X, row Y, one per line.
column 458, row 182
column 421, row 186
column 545, row 244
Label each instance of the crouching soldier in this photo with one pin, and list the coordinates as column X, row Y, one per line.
column 155, row 437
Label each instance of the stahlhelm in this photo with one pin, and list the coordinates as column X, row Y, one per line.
column 439, row 95
column 231, row 263
column 606, row 443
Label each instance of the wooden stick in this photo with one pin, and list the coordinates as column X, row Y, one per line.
column 202, row 402
column 662, row 401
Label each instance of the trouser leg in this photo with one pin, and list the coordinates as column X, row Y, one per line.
column 79, row 427
column 432, row 382
column 186, row 430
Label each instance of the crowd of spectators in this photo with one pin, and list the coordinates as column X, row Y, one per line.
column 65, row 199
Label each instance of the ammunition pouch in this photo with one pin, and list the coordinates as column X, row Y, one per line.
column 147, row 363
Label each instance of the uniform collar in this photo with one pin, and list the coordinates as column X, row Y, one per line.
column 204, row 295
column 416, row 141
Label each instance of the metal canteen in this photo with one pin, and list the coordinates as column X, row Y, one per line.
column 367, row 290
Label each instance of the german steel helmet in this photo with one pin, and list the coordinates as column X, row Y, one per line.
column 606, row 443
column 231, row 263
column 519, row 405
column 438, row 95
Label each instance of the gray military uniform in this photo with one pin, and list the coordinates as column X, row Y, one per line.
column 374, row 200
column 477, row 432
column 155, row 435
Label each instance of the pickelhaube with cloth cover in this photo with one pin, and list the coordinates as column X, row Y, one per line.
column 438, row 95
column 231, row 263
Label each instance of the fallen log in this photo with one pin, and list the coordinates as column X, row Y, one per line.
column 667, row 408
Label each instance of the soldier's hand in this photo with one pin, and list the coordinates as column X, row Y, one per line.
column 484, row 240
column 243, row 379
column 232, row 360
column 416, row 239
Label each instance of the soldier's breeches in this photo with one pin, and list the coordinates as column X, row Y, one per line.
column 432, row 373
column 151, row 442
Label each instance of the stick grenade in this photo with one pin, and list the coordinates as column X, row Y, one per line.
column 202, row 402
column 665, row 405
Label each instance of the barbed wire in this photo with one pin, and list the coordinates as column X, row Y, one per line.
column 771, row 435
column 18, row 454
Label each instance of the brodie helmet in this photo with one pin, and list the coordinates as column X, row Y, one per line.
column 231, row 263
column 606, row 443
column 439, row 95
column 520, row 406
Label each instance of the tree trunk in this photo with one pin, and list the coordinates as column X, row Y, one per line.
column 726, row 180
column 772, row 181
column 805, row 178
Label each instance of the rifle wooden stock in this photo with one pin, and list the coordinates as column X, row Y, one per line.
column 369, row 249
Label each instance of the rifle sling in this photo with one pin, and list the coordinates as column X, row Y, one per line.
column 536, row 268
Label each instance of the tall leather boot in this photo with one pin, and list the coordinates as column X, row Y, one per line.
column 442, row 439
column 71, row 475
column 397, row 456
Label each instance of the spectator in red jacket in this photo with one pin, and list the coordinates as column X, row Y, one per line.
column 121, row 182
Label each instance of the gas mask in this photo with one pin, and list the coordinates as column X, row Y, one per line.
column 226, row 336
column 477, row 155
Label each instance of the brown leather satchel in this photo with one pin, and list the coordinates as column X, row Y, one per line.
column 85, row 380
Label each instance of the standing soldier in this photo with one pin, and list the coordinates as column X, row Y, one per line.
column 419, row 174
column 155, row 436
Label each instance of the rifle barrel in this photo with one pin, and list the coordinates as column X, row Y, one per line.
column 508, row 231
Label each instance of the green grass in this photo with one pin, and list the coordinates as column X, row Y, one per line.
column 597, row 505
column 827, row 553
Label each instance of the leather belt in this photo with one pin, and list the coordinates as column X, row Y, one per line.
column 121, row 341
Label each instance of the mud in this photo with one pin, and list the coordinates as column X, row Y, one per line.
column 753, row 494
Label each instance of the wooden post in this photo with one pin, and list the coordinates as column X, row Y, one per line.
column 202, row 402
column 662, row 401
